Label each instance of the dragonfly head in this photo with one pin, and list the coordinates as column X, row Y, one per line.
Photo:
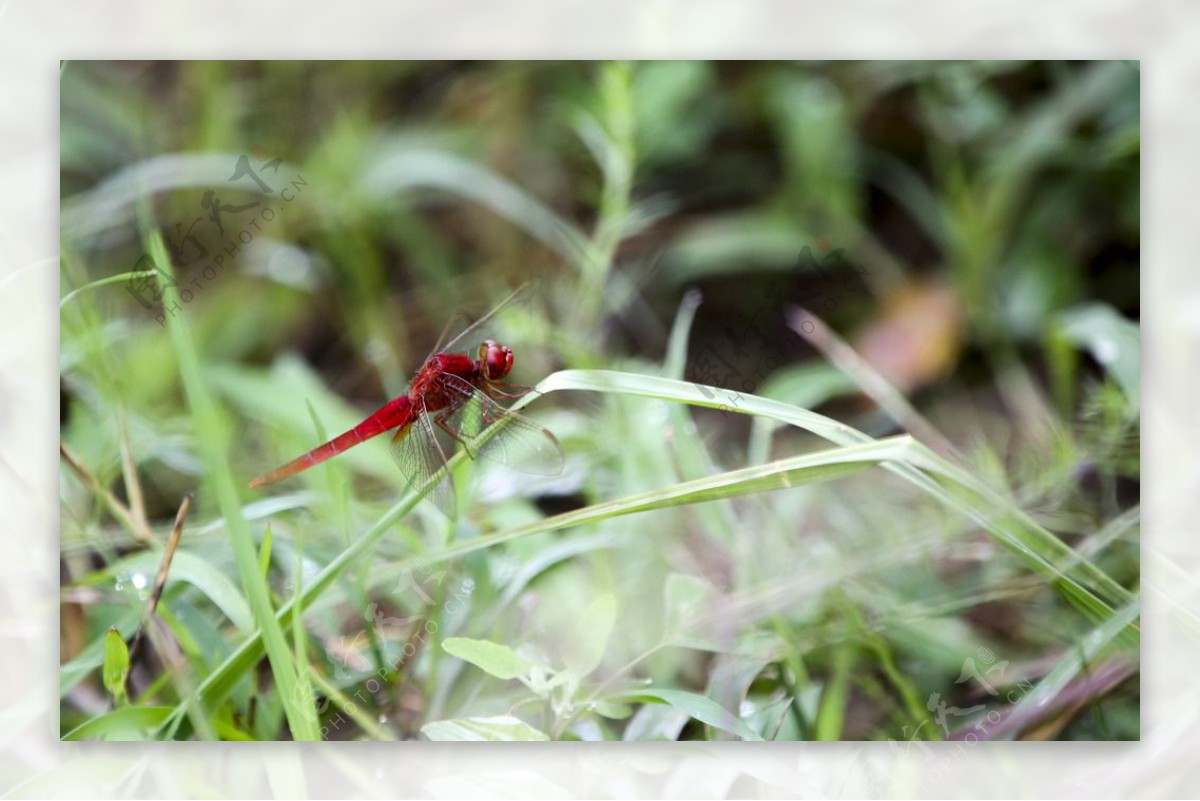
column 495, row 360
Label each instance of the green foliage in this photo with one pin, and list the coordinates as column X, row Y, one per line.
column 116, row 664
column 499, row 728
column 750, row 540
column 494, row 659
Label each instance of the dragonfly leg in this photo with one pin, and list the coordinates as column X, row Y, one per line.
column 510, row 390
column 441, row 419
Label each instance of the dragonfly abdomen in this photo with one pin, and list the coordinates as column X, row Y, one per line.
column 395, row 413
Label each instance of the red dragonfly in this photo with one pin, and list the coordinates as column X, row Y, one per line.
column 459, row 395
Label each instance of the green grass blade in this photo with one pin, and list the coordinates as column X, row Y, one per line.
column 1087, row 587
column 112, row 279
column 301, row 721
column 831, row 712
column 264, row 553
column 1073, row 662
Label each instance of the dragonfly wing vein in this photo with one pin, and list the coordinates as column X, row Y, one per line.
column 488, row 430
column 417, row 453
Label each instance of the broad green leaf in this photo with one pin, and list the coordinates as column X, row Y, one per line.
column 502, row 728
column 1113, row 341
column 655, row 722
column 493, row 658
column 92, row 656
column 610, row 710
column 188, row 567
column 702, row 709
column 116, row 664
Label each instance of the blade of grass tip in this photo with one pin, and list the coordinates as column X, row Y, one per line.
column 675, row 363
column 112, row 279
column 208, row 432
column 115, row 671
column 831, row 711
column 870, row 380
column 693, row 458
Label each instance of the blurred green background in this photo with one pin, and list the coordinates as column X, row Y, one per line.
column 967, row 232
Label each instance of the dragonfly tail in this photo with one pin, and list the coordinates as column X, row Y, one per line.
column 397, row 412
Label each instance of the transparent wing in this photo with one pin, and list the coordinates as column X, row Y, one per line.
column 486, row 429
column 417, row 453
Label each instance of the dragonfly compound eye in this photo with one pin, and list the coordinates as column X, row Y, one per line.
column 497, row 359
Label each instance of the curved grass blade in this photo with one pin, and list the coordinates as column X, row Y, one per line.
column 112, row 279
column 1087, row 587
column 126, row 723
